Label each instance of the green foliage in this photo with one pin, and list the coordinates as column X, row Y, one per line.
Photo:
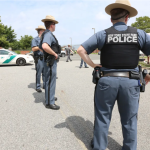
column 3, row 40
column 10, row 35
column 18, row 52
column 8, row 39
column 144, row 65
column 142, row 23
column 15, row 45
column 25, row 42
column 75, row 52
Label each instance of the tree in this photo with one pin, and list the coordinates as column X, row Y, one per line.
column 142, row 23
column 25, row 42
column 10, row 34
column 15, row 45
column 3, row 40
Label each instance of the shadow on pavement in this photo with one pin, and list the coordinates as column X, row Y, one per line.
column 15, row 65
column 39, row 97
column 81, row 67
column 83, row 130
column 32, row 68
column 32, row 86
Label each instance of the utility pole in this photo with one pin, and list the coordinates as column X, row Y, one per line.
column 94, row 33
column 71, row 42
column 94, row 30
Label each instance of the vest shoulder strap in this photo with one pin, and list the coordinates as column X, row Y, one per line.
column 43, row 35
column 55, row 39
column 52, row 35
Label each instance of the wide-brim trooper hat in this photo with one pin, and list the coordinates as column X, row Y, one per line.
column 40, row 28
column 124, row 4
column 50, row 18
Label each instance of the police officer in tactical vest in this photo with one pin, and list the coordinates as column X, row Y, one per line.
column 39, row 59
column 119, row 74
column 51, row 50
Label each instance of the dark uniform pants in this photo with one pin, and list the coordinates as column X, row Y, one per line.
column 50, row 90
column 127, row 92
column 39, row 71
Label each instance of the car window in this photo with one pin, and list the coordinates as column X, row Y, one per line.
column 2, row 52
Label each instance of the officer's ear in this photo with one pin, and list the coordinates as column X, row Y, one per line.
column 126, row 19
column 111, row 20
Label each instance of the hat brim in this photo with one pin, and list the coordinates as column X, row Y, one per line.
column 133, row 12
column 56, row 22
column 40, row 29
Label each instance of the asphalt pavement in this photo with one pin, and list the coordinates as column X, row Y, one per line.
column 25, row 124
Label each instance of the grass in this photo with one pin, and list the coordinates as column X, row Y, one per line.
column 144, row 65
column 143, row 57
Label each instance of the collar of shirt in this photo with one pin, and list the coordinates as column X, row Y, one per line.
column 48, row 30
column 120, row 26
column 38, row 37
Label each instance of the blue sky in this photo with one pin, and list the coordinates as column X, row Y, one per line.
column 76, row 17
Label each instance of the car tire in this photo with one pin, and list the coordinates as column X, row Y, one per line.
column 63, row 55
column 21, row 62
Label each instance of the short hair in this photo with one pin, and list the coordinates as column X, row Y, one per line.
column 39, row 30
column 118, row 13
column 48, row 24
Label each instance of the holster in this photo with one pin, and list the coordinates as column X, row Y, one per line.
column 50, row 60
column 41, row 57
column 36, row 58
column 96, row 74
column 134, row 75
column 142, row 87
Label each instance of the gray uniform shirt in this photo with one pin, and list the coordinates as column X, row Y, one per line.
column 35, row 43
column 98, row 41
column 48, row 38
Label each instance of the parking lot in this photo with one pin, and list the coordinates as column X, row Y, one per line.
column 25, row 124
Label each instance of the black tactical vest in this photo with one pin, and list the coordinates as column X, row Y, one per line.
column 121, row 49
column 55, row 46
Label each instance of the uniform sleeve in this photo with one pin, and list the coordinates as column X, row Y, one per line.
column 33, row 43
column 144, row 41
column 48, row 38
column 94, row 42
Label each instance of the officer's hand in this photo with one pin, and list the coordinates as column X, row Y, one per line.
column 56, row 56
column 97, row 65
column 147, row 78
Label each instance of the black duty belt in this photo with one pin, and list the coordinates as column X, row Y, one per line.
column 116, row 74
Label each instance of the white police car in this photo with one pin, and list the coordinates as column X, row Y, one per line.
column 8, row 57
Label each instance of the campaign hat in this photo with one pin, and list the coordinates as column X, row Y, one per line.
column 40, row 27
column 124, row 4
column 50, row 18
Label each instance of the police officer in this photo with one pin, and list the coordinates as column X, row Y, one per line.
column 39, row 59
column 68, row 50
column 119, row 47
column 48, row 40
